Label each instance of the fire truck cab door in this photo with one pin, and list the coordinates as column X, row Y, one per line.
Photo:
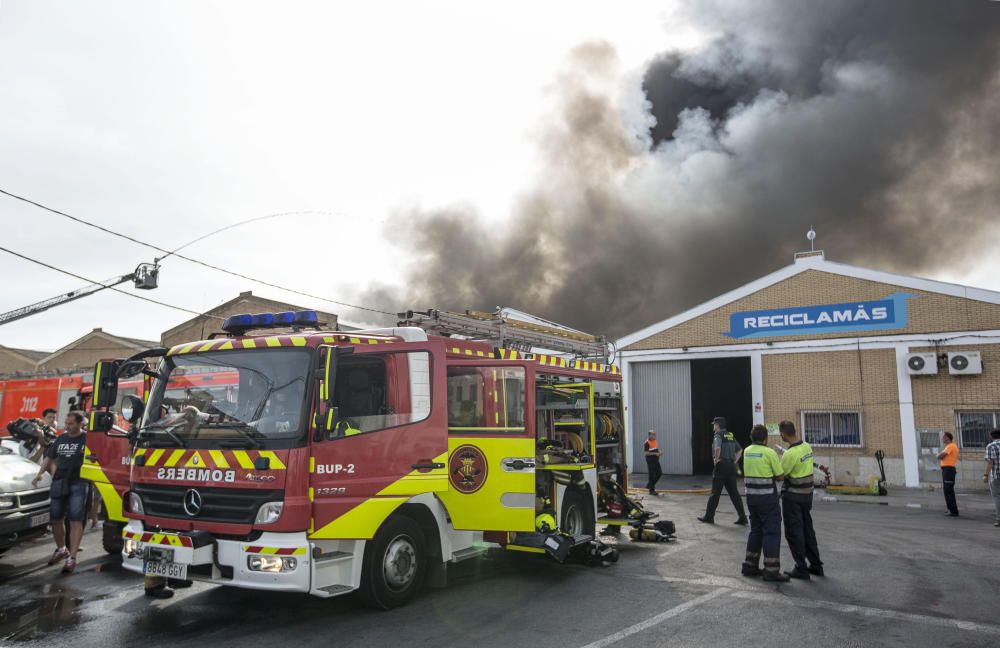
column 108, row 456
column 491, row 445
column 389, row 442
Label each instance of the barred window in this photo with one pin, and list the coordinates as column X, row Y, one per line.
column 974, row 427
column 832, row 429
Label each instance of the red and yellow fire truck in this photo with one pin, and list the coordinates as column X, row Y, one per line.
column 329, row 462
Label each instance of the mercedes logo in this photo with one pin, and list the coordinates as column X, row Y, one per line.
column 192, row 502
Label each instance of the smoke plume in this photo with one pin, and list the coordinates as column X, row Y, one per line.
column 876, row 122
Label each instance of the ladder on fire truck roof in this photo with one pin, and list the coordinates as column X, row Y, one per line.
column 506, row 332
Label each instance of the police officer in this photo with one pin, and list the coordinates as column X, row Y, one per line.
column 761, row 472
column 726, row 452
column 796, row 503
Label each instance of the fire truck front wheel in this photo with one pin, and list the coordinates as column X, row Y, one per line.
column 394, row 564
column 111, row 536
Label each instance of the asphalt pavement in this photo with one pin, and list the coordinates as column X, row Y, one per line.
column 898, row 575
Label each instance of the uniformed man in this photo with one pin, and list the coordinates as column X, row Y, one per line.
column 796, row 503
column 726, row 451
column 761, row 472
column 652, row 451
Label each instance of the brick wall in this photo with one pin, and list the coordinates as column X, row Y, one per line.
column 937, row 398
column 86, row 353
column 862, row 381
column 11, row 362
column 928, row 313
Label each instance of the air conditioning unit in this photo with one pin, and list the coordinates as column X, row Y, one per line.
column 921, row 364
column 965, row 363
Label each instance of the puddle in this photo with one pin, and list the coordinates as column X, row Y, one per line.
column 53, row 607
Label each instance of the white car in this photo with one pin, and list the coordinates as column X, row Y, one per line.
column 23, row 507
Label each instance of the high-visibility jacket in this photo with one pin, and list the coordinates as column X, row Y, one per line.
column 760, row 466
column 797, row 464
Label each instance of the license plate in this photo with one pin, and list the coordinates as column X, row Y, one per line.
column 38, row 520
column 165, row 569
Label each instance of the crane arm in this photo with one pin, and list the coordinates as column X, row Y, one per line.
column 58, row 300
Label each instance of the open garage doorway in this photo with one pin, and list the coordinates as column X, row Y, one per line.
column 719, row 387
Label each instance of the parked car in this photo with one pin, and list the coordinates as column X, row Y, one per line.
column 24, row 508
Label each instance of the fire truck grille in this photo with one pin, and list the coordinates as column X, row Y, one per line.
column 230, row 505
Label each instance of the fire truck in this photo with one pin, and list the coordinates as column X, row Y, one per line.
column 330, row 462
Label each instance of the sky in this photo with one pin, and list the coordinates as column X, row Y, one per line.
column 361, row 122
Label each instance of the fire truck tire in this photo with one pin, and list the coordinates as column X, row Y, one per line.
column 111, row 537
column 394, row 564
column 577, row 513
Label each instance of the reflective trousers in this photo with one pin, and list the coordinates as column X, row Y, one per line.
column 799, row 533
column 765, row 530
column 725, row 477
column 948, row 480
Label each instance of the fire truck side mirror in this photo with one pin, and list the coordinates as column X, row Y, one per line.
column 326, row 404
column 105, row 384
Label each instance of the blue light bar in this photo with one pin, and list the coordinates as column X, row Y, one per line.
column 284, row 319
column 304, row 318
column 237, row 323
column 261, row 320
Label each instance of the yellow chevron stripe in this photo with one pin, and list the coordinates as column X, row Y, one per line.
column 298, row 340
column 200, row 463
column 275, row 463
column 154, row 457
column 226, row 346
column 206, row 346
column 249, row 344
column 175, row 456
column 244, row 459
column 218, row 458
column 272, row 342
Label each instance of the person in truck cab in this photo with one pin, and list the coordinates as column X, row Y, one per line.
column 69, row 492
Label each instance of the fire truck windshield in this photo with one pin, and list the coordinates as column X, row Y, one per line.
column 220, row 399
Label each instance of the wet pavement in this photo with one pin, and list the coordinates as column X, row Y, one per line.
column 896, row 577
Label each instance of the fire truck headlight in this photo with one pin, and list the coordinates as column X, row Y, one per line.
column 131, row 548
column 272, row 564
column 269, row 513
column 135, row 504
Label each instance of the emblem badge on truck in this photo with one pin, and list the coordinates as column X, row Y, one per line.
column 467, row 469
column 192, row 502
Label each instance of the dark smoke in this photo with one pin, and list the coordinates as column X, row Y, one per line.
column 876, row 122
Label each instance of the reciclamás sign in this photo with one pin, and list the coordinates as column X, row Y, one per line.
column 883, row 314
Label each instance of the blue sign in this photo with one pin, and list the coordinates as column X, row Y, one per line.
column 885, row 314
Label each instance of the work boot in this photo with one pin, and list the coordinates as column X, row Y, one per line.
column 750, row 570
column 706, row 520
column 160, row 592
column 775, row 576
column 816, row 570
column 800, row 573
column 179, row 584
column 742, row 521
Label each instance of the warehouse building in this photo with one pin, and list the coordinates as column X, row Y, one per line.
column 861, row 360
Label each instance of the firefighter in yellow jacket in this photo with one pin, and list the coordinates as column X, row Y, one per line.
column 761, row 472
